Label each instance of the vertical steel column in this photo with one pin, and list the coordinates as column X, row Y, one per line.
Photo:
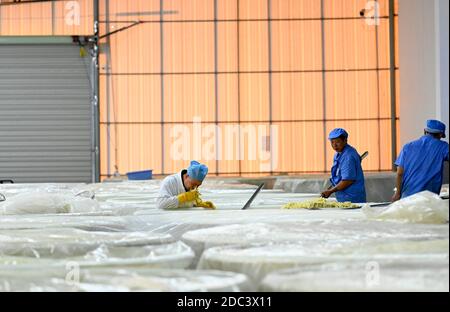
column 377, row 55
column 53, row 17
column 95, row 100
column 239, row 82
column 393, row 82
column 107, row 50
column 161, row 42
column 269, row 31
column 216, row 85
column 324, row 84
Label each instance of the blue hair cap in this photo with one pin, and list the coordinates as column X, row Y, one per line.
column 197, row 171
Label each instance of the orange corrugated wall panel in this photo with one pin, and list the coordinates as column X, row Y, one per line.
column 300, row 74
column 151, row 94
column 58, row 18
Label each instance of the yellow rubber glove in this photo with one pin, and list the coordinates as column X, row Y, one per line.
column 206, row 204
column 188, row 196
column 83, row 52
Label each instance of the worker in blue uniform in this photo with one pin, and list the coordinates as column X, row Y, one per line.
column 420, row 165
column 347, row 177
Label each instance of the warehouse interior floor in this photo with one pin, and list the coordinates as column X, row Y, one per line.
column 110, row 236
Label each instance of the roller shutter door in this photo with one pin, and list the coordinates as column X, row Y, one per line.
column 45, row 114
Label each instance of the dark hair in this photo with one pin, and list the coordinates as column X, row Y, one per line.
column 342, row 137
column 434, row 135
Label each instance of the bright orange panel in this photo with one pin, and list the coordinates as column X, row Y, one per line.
column 396, row 42
column 253, row 45
column 300, row 147
column 352, row 8
column 351, row 95
column 131, row 98
column 252, row 9
column 186, row 142
column 37, row 19
column 132, row 148
column 385, row 94
column 385, row 143
column 189, row 96
column 68, row 23
column 397, row 93
column 136, row 50
column 254, row 97
column 349, row 44
column 297, row 96
column 385, row 75
column 228, row 97
column 397, row 74
column 129, row 10
column 285, row 9
column 107, row 136
column 227, row 9
column 189, row 10
column 26, row 19
column 188, row 47
column 227, row 47
column 383, row 44
column 296, row 45
column 363, row 136
column 255, row 147
column 229, row 149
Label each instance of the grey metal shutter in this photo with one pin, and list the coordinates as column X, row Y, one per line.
column 45, row 114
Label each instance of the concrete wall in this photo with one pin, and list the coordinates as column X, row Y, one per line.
column 423, row 59
column 443, row 52
column 443, row 60
column 424, row 66
column 379, row 186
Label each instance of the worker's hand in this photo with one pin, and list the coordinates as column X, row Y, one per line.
column 326, row 194
column 206, row 204
column 396, row 197
column 188, row 196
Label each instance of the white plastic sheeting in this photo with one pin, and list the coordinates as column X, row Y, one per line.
column 57, row 188
column 124, row 198
column 136, row 236
column 46, row 203
column 359, row 276
column 64, row 242
column 445, row 190
column 59, row 246
column 88, row 223
column 424, row 207
column 179, row 222
column 339, row 233
column 170, row 256
column 256, row 261
column 130, row 197
column 123, row 279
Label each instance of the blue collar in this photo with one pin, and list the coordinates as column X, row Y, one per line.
column 344, row 149
column 429, row 137
column 338, row 154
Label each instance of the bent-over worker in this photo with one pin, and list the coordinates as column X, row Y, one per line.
column 180, row 190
